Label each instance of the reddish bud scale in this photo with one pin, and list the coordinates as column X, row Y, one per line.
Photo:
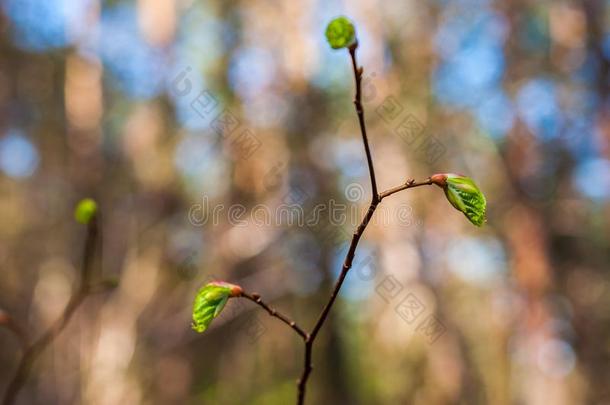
column 439, row 179
column 236, row 290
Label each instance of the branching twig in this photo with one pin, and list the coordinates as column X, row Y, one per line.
column 273, row 312
column 347, row 264
column 461, row 191
column 84, row 289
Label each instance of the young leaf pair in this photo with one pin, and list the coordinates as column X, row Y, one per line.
column 209, row 302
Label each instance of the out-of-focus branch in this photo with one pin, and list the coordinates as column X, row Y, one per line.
column 33, row 351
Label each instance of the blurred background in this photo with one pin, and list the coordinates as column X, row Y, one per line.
column 172, row 113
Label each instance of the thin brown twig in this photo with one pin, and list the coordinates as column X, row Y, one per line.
column 409, row 184
column 308, row 366
column 256, row 298
column 347, row 264
column 84, row 289
column 360, row 111
column 349, row 258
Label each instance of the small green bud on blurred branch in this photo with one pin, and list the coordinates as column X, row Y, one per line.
column 340, row 33
column 85, row 213
column 85, row 210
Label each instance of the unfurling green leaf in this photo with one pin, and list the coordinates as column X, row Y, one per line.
column 464, row 195
column 340, row 33
column 209, row 302
column 85, row 210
